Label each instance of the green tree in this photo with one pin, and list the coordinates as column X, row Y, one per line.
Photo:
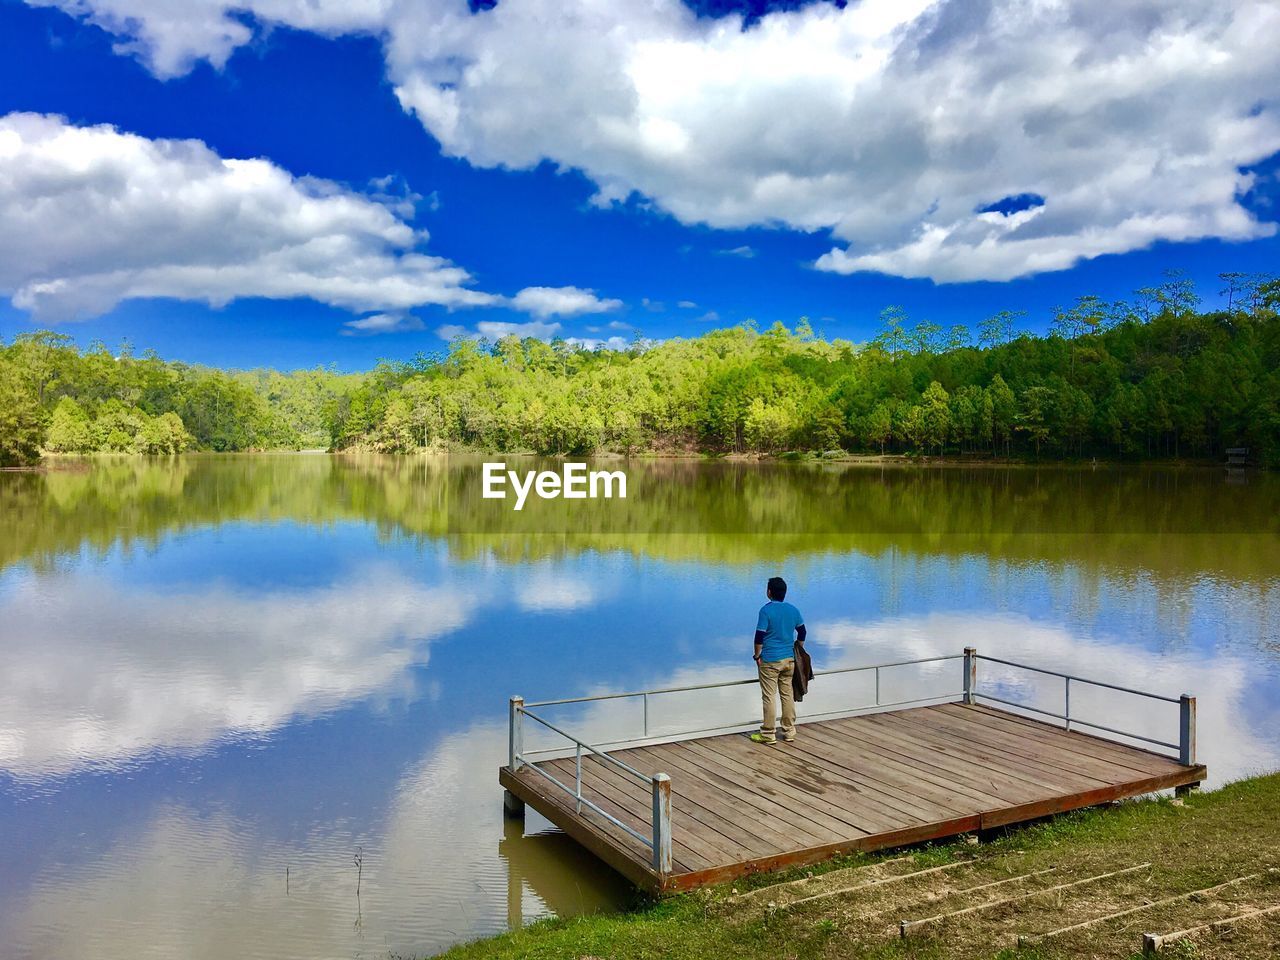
column 926, row 337
column 877, row 426
column 1037, row 410
column 69, row 430
column 164, row 434
column 1004, row 411
column 893, row 337
column 931, row 419
column 998, row 328
column 22, row 424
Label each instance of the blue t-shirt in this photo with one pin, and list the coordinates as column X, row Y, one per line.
column 778, row 620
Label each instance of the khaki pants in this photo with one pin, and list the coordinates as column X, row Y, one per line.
column 775, row 683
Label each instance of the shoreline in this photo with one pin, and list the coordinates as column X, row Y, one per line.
column 1132, row 854
column 54, row 461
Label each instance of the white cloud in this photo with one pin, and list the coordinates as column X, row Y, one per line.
column 91, row 216
column 539, row 330
column 222, row 662
column 448, row 331
column 888, row 122
column 619, row 325
column 384, row 323
column 545, row 591
column 497, row 329
column 494, row 329
column 743, row 251
column 561, row 302
column 686, row 305
column 597, row 343
column 170, row 37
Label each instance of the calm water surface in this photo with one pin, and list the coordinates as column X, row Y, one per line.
column 227, row 679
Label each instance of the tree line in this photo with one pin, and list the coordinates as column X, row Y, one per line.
column 57, row 398
column 1148, row 378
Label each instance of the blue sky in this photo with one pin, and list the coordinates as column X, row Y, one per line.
column 726, row 194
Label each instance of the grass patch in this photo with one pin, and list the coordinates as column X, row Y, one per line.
column 1210, row 838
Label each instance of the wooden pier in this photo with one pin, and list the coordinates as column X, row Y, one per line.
column 697, row 810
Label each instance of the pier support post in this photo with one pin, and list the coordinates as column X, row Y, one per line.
column 662, row 823
column 1187, row 730
column 512, row 805
column 970, row 674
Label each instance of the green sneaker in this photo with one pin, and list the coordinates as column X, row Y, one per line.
column 761, row 738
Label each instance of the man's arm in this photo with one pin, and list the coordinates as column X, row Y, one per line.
column 759, row 645
column 800, row 633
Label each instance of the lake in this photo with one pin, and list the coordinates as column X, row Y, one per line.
column 254, row 706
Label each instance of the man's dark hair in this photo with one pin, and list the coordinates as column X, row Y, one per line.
column 777, row 588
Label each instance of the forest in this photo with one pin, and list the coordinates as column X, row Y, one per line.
column 1155, row 377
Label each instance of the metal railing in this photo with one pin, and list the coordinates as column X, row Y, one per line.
column 1186, row 745
column 644, row 696
column 660, row 784
column 659, row 840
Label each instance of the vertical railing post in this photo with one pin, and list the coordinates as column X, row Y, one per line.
column 970, row 674
column 515, row 732
column 662, row 823
column 1066, row 711
column 646, row 714
column 577, row 780
column 511, row 804
column 877, row 686
column 1187, row 730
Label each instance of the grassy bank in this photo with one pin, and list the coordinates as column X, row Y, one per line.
column 1208, row 839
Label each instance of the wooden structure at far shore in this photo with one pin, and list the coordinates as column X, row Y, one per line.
column 682, row 813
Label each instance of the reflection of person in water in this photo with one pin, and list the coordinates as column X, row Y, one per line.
column 779, row 627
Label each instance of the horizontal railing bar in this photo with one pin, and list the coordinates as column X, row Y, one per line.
column 1070, row 676
column 641, row 693
column 647, row 841
column 643, row 778
column 885, row 666
column 1024, row 706
column 1086, row 723
column 846, row 711
column 1124, row 733
column 739, row 683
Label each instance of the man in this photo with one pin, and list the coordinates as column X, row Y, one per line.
column 780, row 626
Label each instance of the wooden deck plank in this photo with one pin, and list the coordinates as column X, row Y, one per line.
column 627, row 811
column 627, row 799
column 980, row 728
column 741, row 800
column 946, row 771
column 1010, row 784
column 1138, row 759
column 854, row 791
column 1084, row 748
column 1005, row 778
column 727, row 838
column 866, row 782
column 825, row 783
column 1042, row 773
column 873, row 778
column 731, row 818
column 790, row 803
column 853, row 745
